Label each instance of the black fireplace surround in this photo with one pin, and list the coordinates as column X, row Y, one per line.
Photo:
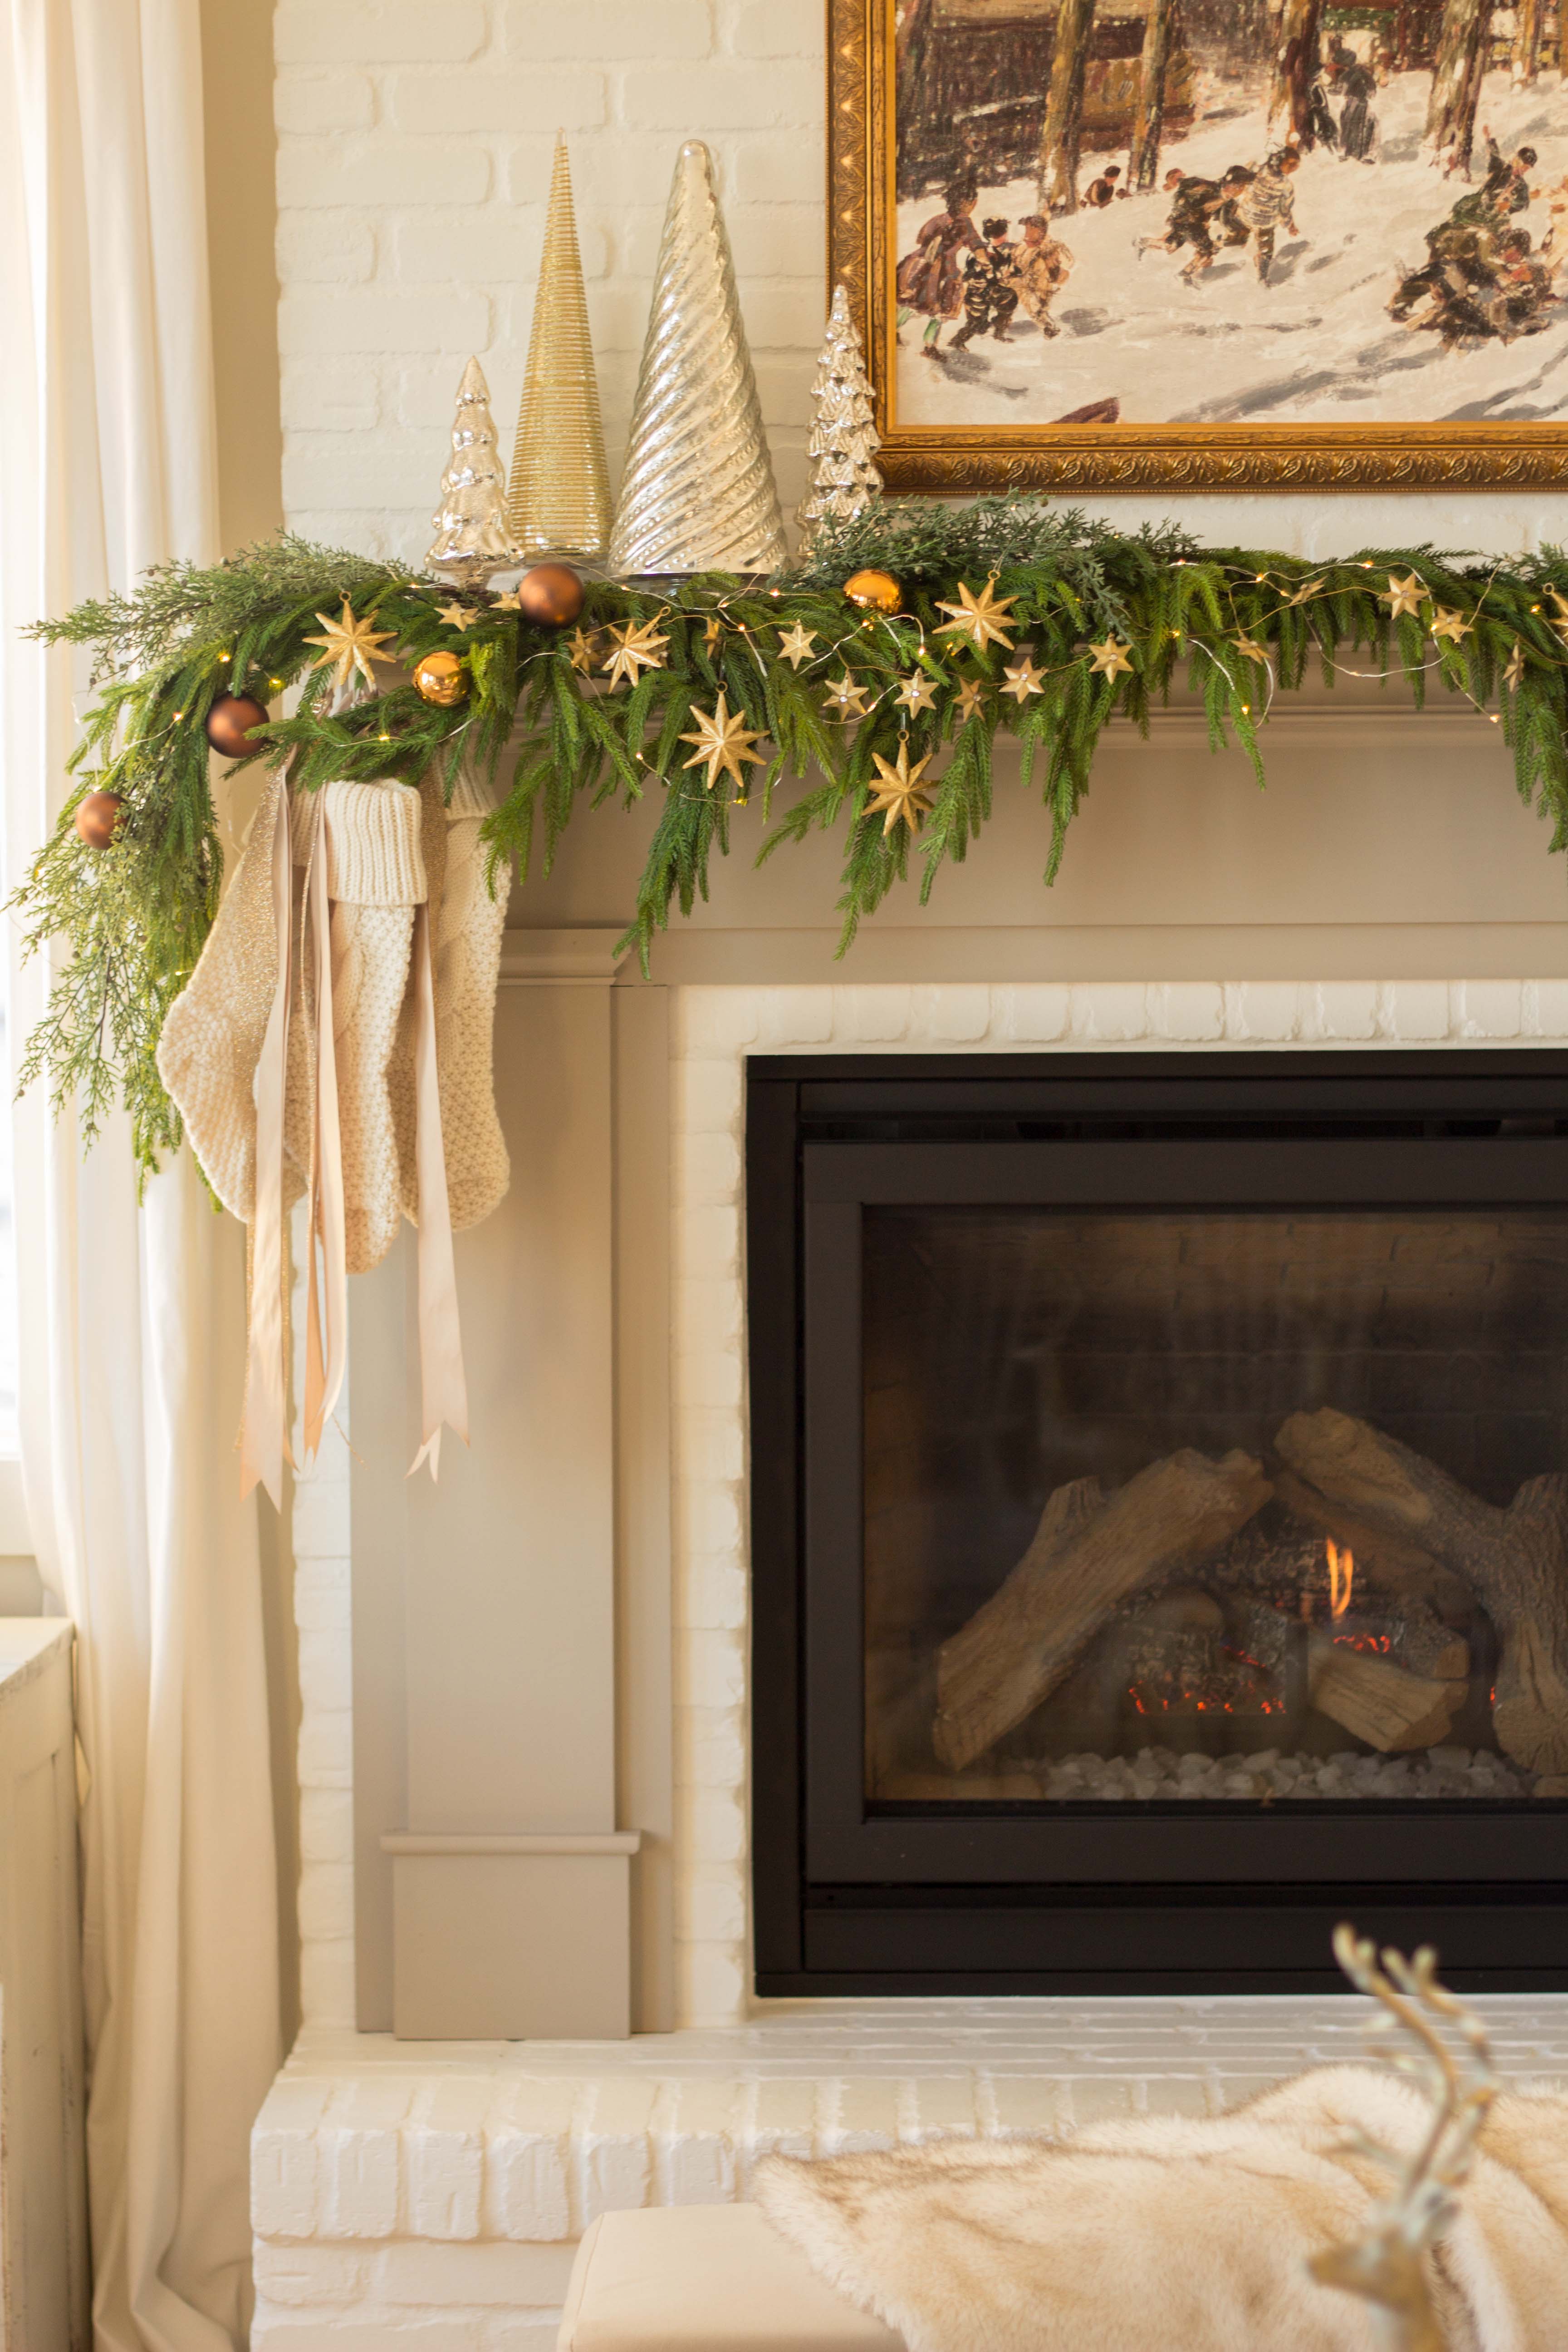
column 1136, row 1591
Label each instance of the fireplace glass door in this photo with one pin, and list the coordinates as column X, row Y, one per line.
column 1159, row 1475
column 1215, row 1506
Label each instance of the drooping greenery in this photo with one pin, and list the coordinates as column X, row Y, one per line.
column 542, row 714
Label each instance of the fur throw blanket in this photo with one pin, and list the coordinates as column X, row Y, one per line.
column 1165, row 2235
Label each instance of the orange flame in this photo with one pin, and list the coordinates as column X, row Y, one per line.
column 1341, row 1577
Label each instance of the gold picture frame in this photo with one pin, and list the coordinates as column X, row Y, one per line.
column 959, row 457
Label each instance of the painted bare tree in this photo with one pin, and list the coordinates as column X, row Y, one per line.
column 1294, row 63
column 1060, row 138
column 1149, row 126
column 1462, row 44
column 1526, row 42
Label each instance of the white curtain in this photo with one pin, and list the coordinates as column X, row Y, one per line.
column 132, row 1313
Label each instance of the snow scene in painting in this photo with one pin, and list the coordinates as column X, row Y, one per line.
column 1314, row 342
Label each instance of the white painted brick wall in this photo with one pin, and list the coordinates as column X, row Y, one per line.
column 414, row 141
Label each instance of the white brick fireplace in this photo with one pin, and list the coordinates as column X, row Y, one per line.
column 407, row 2189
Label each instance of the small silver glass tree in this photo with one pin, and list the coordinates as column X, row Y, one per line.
column 473, row 538
column 841, row 448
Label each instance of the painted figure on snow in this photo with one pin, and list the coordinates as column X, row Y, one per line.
column 1369, row 169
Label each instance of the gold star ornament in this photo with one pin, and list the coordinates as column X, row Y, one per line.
column 971, row 698
column 351, row 645
column 635, row 645
column 712, row 633
column 460, row 617
column 1109, row 657
column 795, row 645
column 915, row 694
column 846, row 698
column 1023, row 678
column 979, row 618
column 1250, row 647
column 1403, row 595
column 583, row 646
column 1558, row 622
column 898, row 795
column 1515, row 671
column 722, row 743
column 1450, row 625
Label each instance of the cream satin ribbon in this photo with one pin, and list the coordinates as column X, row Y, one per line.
column 264, row 1438
column 327, row 1216
column 444, row 1388
column 444, row 1397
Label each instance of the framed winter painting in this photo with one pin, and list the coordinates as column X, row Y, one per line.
column 1120, row 244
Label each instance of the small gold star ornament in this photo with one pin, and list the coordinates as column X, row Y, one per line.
column 971, row 698
column 352, row 643
column 979, row 618
column 915, row 694
column 458, row 616
column 1403, row 595
column 1558, row 622
column 1022, row 679
column 635, row 645
column 1250, row 647
column 712, row 633
column 722, row 743
column 1109, row 657
column 846, row 698
column 1453, row 626
column 583, row 649
column 1515, row 669
column 897, row 796
column 795, row 645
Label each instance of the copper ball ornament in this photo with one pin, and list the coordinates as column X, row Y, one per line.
column 98, row 818
column 874, row 591
column 439, row 679
column 551, row 595
column 230, row 722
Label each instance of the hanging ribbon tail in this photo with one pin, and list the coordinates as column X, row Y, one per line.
column 443, row 1390
column 324, row 1367
column 264, row 1443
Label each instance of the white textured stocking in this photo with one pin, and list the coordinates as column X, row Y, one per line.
column 375, row 879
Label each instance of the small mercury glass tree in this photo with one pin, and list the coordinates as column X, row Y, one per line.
column 842, row 445
column 473, row 538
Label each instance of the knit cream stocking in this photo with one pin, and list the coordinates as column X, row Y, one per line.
column 466, row 941
column 375, row 879
column 212, row 1035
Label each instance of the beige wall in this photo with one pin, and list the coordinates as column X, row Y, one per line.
column 242, row 218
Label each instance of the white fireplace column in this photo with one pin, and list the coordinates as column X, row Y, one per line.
column 512, row 1804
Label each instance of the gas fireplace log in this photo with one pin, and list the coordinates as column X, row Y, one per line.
column 1391, row 1562
column 1515, row 1561
column 1377, row 1701
column 1088, row 1554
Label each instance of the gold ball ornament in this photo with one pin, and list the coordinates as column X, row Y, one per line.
column 230, row 722
column 551, row 595
column 439, row 679
column 98, row 818
column 874, row 591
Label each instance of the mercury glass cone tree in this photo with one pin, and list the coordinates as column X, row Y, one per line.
column 472, row 539
column 560, row 498
column 841, row 448
column 698, row 492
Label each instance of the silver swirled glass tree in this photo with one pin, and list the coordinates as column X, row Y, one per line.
column 698, row 493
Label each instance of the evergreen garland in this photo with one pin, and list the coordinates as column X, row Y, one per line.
column 1241, row 626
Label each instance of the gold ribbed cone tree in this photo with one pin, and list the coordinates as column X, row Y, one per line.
column 698, row 492
column 559, row 502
